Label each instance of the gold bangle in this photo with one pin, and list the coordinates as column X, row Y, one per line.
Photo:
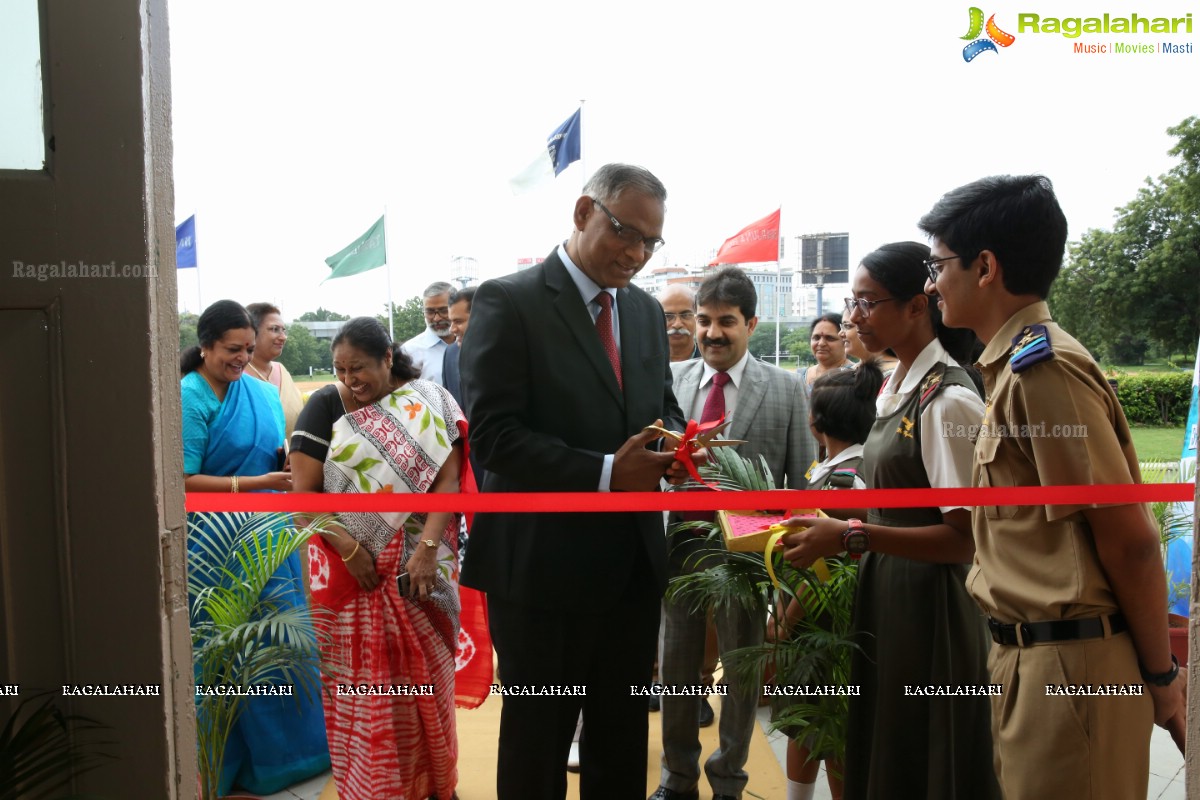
column 233, row 487
column 353, row 552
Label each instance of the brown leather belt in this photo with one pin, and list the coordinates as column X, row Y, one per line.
column 1024, row 634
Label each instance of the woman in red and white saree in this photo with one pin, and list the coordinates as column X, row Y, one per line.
column 390, row 697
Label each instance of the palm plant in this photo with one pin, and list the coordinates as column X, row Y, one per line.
column 243, row 634
column 1173, row 523
column 821, row 644
column 46, row 750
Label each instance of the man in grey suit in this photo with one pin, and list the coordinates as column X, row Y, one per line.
column 768, row 409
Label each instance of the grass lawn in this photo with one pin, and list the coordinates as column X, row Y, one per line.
column 1157, row 366
column 1157, row 444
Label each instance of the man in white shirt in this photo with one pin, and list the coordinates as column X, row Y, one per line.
column 428, row 348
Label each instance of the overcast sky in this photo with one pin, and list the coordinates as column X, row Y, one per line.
column 296, row 124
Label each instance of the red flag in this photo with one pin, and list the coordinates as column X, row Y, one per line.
column 758, row 241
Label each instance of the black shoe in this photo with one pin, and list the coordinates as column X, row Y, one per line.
column 663, row 793
column 725, row 797
column 655, row 703
column 706, row 713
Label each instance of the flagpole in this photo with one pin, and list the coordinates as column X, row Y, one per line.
column 388, row 268
column 582, row 147
column 778, row 283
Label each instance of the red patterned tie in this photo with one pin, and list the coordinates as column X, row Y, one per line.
column 714, row 408
column 714, row 404
column 604, row 326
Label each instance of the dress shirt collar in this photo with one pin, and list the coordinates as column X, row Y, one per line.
column 910, row 380
column 1001, row 344
column 828, row 465
column 734, row 372
column 588, row 288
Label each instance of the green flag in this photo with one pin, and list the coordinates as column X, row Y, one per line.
column 367, row 252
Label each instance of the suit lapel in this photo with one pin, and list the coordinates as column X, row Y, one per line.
column 750, row 397
column 574, row 313
column 688, row 386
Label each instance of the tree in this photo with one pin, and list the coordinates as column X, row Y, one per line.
column 322, row 315
column 187, row 330
column 1142, row 279
column 408, row 319
column 762, row 341
column 303, row 350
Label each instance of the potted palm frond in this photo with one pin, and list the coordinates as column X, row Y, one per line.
column 243, row 635
column 42, row 750
column 821, row 642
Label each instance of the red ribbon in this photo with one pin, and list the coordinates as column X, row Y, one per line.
column 544, row 502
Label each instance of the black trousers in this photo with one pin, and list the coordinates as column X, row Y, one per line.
column 554, row 645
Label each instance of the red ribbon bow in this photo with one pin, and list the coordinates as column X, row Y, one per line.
column 691, row 442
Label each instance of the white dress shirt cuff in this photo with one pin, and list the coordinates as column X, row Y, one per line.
column 606, row 474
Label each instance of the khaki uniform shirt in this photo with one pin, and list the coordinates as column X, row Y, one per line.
column 1057, row 422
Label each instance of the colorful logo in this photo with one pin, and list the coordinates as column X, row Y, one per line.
column 995, row 36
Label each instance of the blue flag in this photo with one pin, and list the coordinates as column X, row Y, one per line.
column 185, row 243
column 563, row 147
column 564, row 143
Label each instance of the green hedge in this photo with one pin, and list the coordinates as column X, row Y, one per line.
column 1155, row 399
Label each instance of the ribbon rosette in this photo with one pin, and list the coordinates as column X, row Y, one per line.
column 697, row 436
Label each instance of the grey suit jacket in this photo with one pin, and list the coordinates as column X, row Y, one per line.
column 771, row 415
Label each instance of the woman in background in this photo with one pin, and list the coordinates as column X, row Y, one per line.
column 268, row 346
column 827, row 347
column 233, row 442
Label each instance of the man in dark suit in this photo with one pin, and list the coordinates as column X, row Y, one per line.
column 767, row 408
column 565, row 365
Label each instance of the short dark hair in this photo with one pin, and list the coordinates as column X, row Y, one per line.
column 900, row 268
column 368, row 335
column 842, row 403
column 729, row 287
column 1017, row 217
column 608, row 182
column 218, row 319
column 463, row 295
column 259, row 310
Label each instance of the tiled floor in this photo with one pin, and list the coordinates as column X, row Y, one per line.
column 309, row 790
column 1166, row 763
column 1166, row 769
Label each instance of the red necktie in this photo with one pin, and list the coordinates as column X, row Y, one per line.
column 604, row 326
column 714, row 408
column 714, row 404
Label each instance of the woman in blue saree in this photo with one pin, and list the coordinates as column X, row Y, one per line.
column 233, row 432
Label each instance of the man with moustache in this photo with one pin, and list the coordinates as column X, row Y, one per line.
column 460, row 318
column 679, row 307
column 768, row 408
column 566, row 365
column 428, row 347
